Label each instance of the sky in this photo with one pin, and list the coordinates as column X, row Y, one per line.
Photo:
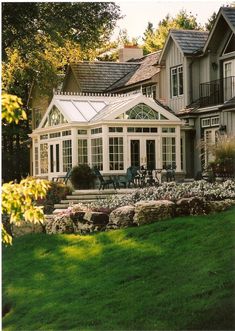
column 139, row 13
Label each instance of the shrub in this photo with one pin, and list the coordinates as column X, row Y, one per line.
column 82, row 177
column 55, row 194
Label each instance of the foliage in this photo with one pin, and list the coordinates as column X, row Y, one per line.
column 154, row 39
column 19, row 201
column 82, row 176
column 167, row 191
column 184, row 267
column 56, row 192
column 12, row 108
column 211, row 21
column 39, row 39
column 89, row 24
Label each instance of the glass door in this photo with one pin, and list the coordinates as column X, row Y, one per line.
column 54, row 158
column 229, row 80
column 143, row 152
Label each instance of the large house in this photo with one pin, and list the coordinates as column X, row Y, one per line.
column 152, row 110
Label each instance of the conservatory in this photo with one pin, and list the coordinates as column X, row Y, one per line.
column 111, row 132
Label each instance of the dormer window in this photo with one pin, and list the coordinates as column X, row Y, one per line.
column 177, row 86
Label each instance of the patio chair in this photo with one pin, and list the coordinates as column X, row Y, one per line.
column 170, row 172
column 128, row 179
column 63, row 179
column 103, row 182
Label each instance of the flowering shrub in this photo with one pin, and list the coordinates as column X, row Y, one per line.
column 167, row 191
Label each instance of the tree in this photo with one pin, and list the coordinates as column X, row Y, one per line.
column 211, row 21
column 38, row 40
column 19, row 200
column 154, row 39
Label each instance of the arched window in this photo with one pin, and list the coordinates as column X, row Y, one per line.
column 140, row 111
column 55, row 117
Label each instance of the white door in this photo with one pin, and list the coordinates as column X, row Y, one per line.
column 142, row 151
column 229, row 80
column 54, row 159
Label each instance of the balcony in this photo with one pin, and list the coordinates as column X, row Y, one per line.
column 217, row 91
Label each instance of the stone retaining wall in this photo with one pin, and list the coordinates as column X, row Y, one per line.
column 143, row 212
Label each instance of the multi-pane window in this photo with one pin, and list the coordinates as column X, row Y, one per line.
column 82, row 151
column 36, row 160
column 141, row 111
column 168, row 151
column 67, row 155
column 210, row 139
column 115, row 129
column 168, row 130
column 141, row 130
column 116, row 153
column 177, row 86
column 149, row 91
column 43, row 158
column 96, row 130
column 97, row 153
column 66, row 133
column 55, row 135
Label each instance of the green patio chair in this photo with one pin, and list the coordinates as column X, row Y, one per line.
column 104, row 183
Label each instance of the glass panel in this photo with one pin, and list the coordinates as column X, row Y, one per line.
column 142, row 111
column 67, row 155
column 82, row 151
column 150, row 149
column 44, row 158
column 97, row 152
column 135, row 153
column 181, row 87
column 168, row 151
column 51, row 159
column 57, row 157
column 174, row 82
column 36, row 160
column 116, row 153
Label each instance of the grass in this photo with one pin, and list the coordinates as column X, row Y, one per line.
column 170, row 275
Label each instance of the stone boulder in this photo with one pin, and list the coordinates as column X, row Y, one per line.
column 191, row 206
column 59, row 224
column 147, row 212
column 96, row 220
column 26, row 228
column 217, row 206
column 121, row 217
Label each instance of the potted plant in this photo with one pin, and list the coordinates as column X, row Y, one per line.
column 82, row 177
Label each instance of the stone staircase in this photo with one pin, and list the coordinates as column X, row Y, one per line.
column 86, row 196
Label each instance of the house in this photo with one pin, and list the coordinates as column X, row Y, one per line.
column 111, row 132
column 190, row 83
column 199, row 77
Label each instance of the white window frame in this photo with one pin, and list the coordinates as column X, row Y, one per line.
column 176, row 72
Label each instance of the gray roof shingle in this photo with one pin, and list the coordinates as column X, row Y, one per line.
column 98, row 76
column 229, row 13
column 190, row 41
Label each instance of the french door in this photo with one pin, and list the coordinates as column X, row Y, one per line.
column 229, row 80
column 142, row 151
column 54, row 158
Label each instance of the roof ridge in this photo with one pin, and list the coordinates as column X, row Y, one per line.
column 188, row 30
column 102, row 62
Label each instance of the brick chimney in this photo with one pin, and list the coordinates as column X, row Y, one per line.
column 130, row 52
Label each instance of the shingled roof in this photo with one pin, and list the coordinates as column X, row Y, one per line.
column 146, row 70
column 189, row 41
column 229, row 14
column 98, row 76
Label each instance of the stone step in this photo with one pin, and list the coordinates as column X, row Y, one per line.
column 75, row 201
column 85, row 197
column 57, row 211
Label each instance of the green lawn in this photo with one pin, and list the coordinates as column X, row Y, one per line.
column 170, row 275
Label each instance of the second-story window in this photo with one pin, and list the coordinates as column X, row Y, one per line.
column 177, row 86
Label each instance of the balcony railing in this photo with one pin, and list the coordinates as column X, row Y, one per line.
column 217, row 91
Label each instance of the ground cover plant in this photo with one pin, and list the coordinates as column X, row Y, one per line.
column 170, row 275
column 167, row 191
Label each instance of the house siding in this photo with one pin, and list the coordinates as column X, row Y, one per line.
column 175, row 58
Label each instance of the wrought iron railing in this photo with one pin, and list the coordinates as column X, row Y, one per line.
column 217, row 91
